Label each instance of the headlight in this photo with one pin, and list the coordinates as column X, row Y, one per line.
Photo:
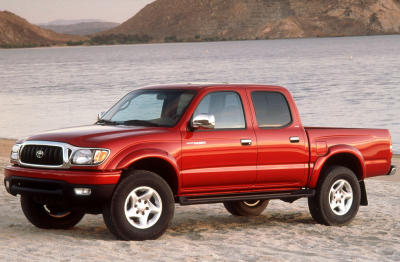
column 89, row 156
column 15, row 152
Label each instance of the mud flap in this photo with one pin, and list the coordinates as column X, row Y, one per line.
column 364, row 199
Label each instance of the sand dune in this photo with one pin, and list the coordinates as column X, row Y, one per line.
column 284, row 232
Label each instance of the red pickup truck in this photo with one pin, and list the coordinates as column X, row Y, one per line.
column 241, row 145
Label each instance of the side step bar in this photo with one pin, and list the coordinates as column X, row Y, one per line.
column 284, row 195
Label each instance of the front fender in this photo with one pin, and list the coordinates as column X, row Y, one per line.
column 126, row 161
column 134, row 156
column 332, row 151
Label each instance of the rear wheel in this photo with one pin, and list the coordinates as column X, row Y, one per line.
column 141, row 208
column 246, row 208
column 49, row 216
column 337, row 199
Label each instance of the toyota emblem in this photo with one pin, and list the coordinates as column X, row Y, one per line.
column 39, row 153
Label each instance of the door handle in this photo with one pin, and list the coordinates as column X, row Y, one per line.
column 294, row 139
column 245, row 142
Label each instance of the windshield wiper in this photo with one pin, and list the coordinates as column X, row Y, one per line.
column 139, row 122
column 107, row 122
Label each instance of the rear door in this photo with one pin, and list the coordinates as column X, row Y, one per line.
column 223, row 158
column 282, row 160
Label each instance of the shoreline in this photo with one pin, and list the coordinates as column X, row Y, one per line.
column 85, row 43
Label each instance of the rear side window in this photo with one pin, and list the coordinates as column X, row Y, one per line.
column 272, row 109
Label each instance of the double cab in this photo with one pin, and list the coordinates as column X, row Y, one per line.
column 240, row 145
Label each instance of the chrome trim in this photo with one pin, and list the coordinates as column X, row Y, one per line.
column 203, row 121
column 392, row 171
column 245, row 142
column 294, row 139
column 67, row 161
column 100, row 115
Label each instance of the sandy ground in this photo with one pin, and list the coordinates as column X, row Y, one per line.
column 284, row 232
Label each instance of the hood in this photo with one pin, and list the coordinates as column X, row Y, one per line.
column 97, row 135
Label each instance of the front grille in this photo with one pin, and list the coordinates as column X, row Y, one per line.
column 42, row 155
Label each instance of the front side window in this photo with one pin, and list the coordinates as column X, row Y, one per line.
column 149, row 108
column 226, row 107
column 272, row 109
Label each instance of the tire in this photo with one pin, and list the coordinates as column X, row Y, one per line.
column 337, row 199
column 246, row 208
column 107, row 219
column 49, row 217
column 141, row 208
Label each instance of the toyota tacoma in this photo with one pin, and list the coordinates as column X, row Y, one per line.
column 240, row 145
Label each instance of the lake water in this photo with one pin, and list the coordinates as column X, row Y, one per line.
column 343, row 82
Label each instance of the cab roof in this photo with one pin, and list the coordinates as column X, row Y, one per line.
column 198, row 86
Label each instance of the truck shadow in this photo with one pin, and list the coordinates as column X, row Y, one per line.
column 192, row 226
column 226, row 223
column 187, row 224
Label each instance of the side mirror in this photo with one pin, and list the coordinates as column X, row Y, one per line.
column 100, row 115
column 203, row 121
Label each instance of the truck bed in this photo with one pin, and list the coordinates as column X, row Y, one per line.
column 373, row 145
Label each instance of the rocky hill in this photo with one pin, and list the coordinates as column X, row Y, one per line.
column 188, row 20
column 17, row 32
column 84, row 28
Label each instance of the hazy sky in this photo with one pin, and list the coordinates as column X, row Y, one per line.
column 42, row 11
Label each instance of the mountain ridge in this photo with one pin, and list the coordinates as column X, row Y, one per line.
column 82, row 28
column 213, row 20
column 69, row 21
column 15, row 31
column 191, row 20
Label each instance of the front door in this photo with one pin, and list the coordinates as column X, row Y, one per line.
column 222, row 158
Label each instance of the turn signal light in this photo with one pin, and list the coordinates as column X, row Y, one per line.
column 100, row 156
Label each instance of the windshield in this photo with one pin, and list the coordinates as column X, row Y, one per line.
column 163, row 107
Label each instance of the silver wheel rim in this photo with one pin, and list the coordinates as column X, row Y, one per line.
column 54, row 214
column 143, row 207
column 252, row 203
column 341, row 197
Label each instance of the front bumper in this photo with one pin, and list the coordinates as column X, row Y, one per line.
column 71, row 176
column 57, row 187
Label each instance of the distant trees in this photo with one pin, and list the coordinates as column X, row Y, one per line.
column 169, row 39
column 115, row 39
column 23, row 45
column 112, row 39
column 72, row 43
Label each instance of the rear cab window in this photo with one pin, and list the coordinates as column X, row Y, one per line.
column 272, row 109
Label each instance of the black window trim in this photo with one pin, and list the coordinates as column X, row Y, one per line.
column 287, row 103
column 219, row 129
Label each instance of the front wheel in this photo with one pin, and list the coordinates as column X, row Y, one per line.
column 246, row 208
column 337, row 199
column 49, row 216
column 141, row 208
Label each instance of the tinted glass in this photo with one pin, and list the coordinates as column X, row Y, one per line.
column 135, row 108
column 149, row 108
column 272, row 109
column 226, row 107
